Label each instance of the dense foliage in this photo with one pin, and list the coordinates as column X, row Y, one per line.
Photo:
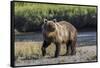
column 29, row 16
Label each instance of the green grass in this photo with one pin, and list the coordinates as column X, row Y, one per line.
column 30, row 15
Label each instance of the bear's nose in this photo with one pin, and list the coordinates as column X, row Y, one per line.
column 50, row 25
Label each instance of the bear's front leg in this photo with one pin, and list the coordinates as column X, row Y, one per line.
column 58, row 48
column 44, row 46
column 43, row 51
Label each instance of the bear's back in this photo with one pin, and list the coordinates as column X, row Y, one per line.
column 68, row 26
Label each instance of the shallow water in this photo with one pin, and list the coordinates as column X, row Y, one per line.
column 84, row 38
column 87, row 38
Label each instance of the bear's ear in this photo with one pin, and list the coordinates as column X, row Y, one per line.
column 45, row 20
column 54, row 20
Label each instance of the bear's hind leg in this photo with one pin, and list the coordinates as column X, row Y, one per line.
column 68, row 48
column 73, row 47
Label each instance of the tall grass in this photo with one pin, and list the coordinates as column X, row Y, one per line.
column 29, row 16
column 32, row 50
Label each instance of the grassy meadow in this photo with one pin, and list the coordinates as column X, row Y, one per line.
column 29, row 16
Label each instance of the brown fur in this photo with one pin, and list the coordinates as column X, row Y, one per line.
column 58, row 33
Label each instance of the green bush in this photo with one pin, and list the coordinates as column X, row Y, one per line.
column 29, row 16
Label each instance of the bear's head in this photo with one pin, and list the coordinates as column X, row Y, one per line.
column 49, row 25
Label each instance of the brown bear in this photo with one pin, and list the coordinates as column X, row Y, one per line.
column 59, row 33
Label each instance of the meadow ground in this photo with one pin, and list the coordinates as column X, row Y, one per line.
column 29, row 53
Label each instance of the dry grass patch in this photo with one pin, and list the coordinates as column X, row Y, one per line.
column 32, row 50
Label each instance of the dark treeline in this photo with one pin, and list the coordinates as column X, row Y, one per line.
column 29, row 16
